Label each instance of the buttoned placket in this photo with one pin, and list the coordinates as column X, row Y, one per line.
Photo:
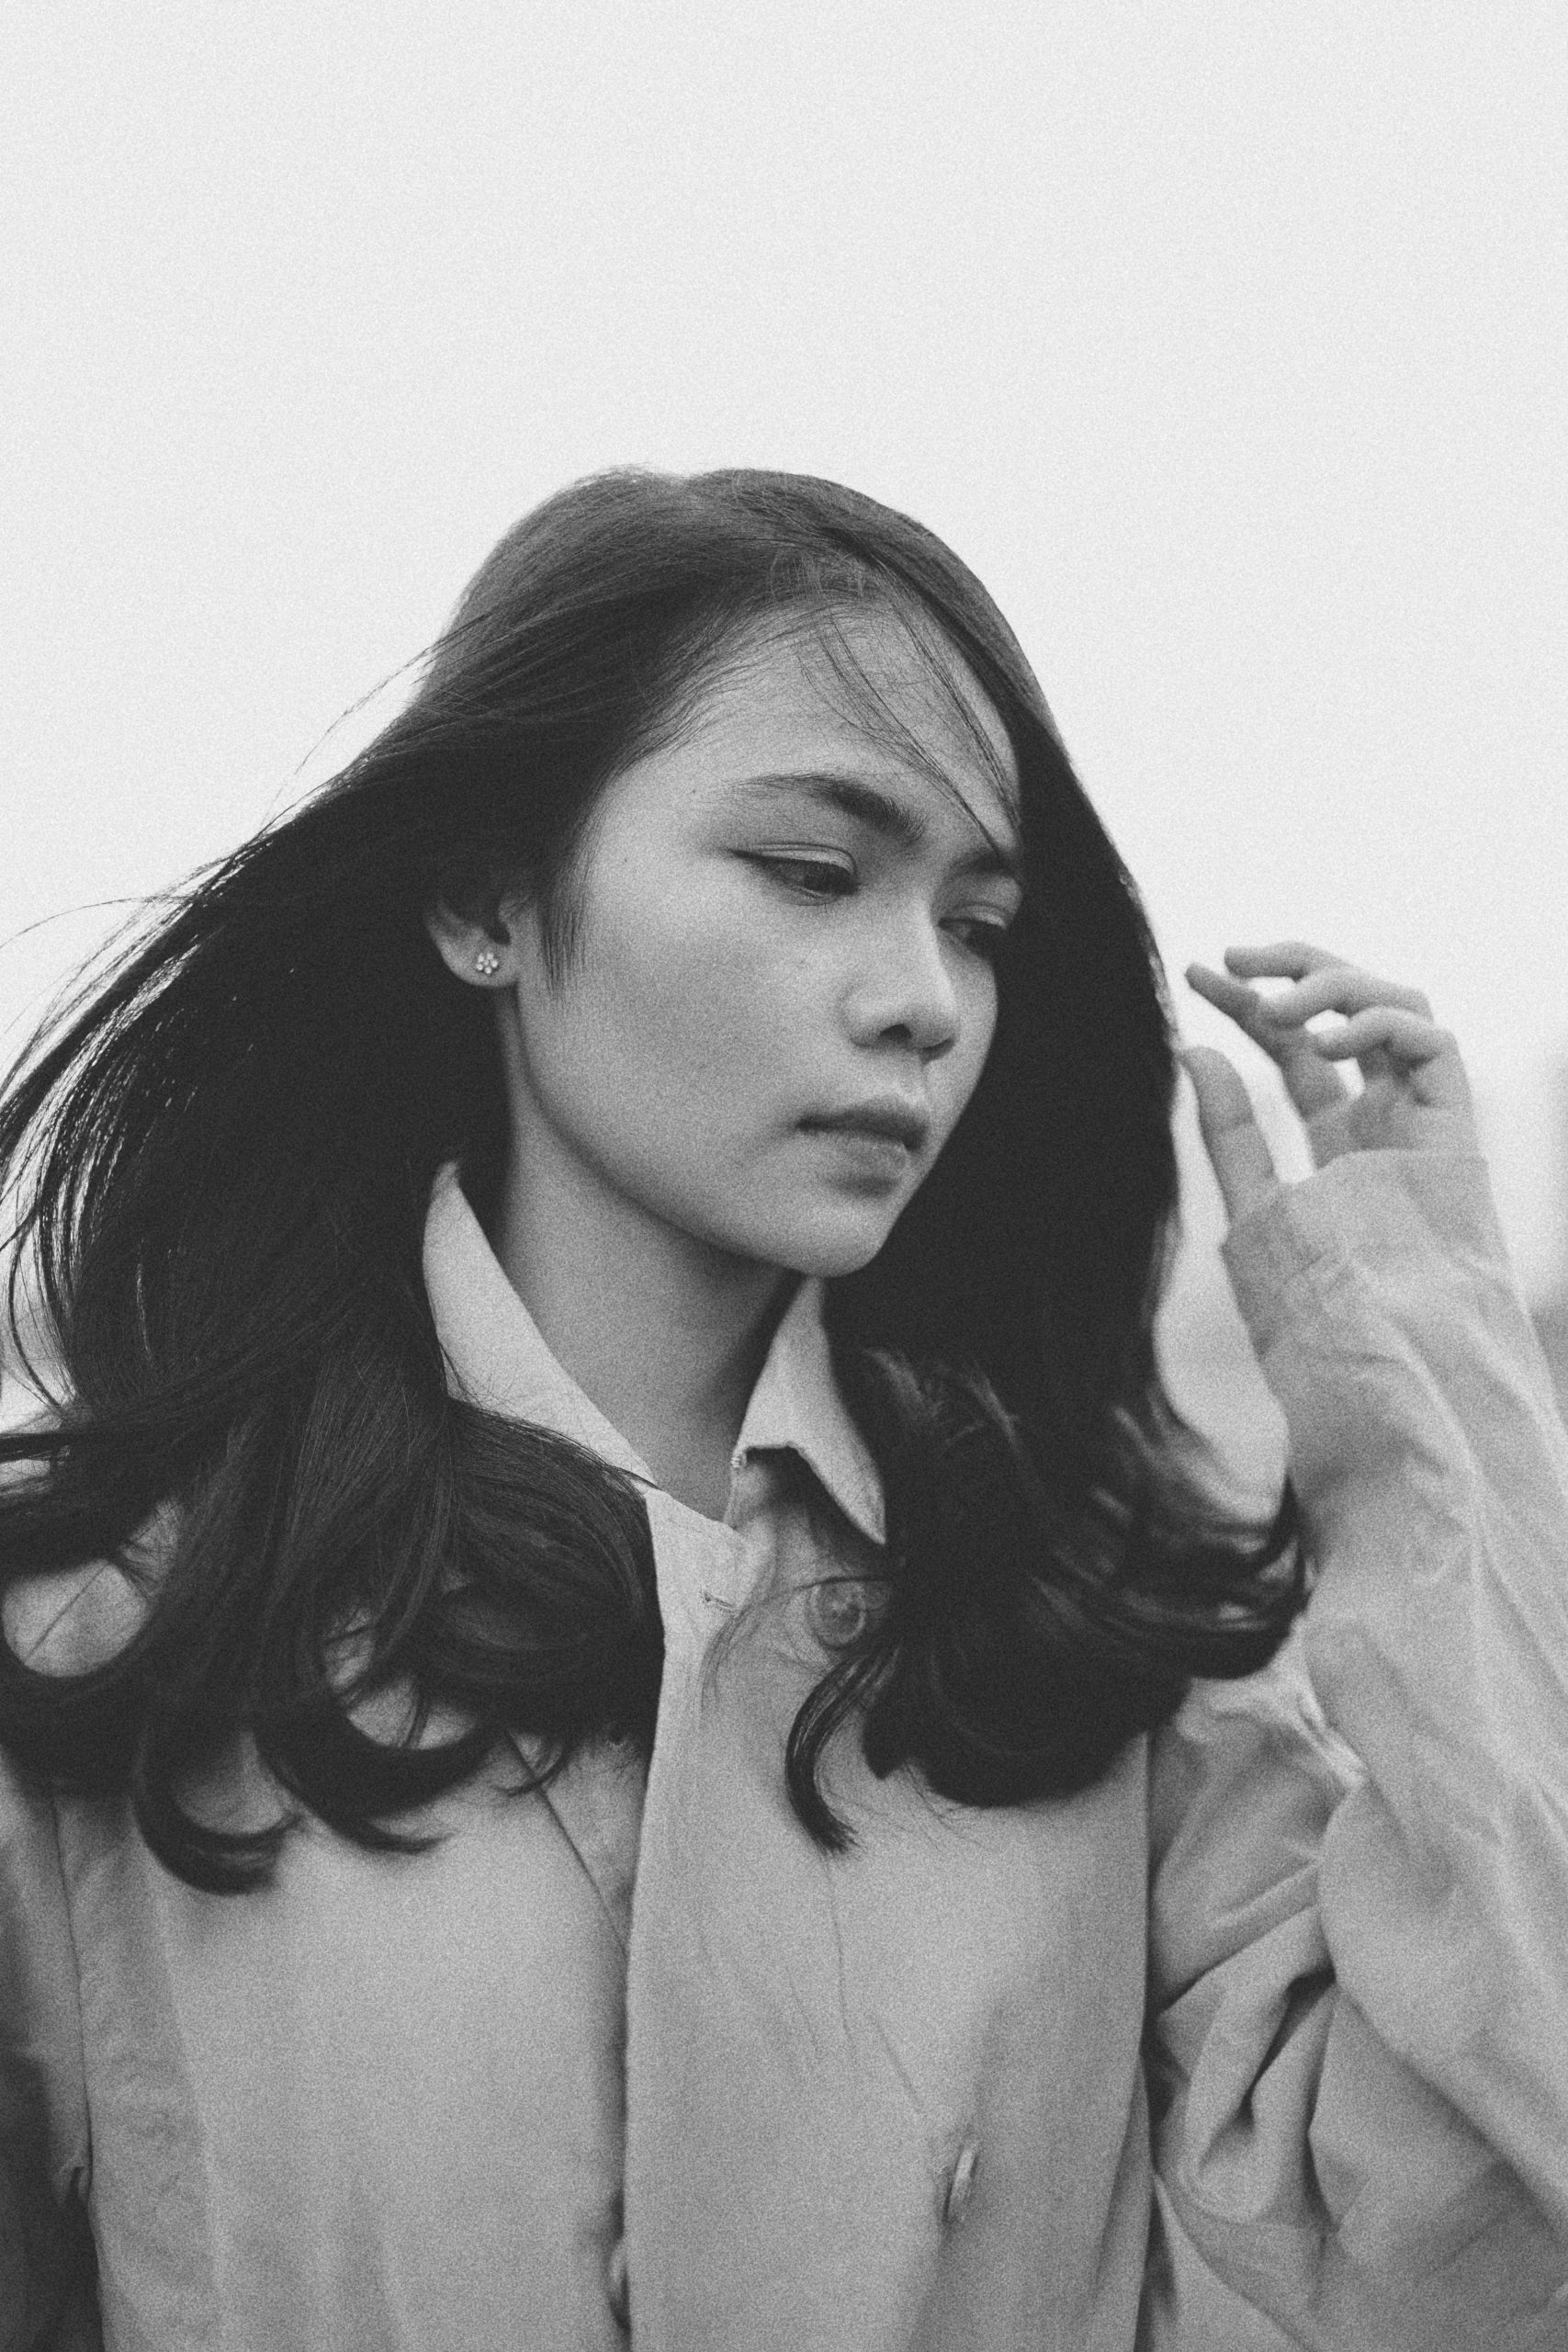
column 706, row 1571
column 709, row 1570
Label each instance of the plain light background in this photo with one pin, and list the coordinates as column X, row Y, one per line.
column 1226, row 343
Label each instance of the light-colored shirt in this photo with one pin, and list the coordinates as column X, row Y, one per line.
column 641, row 2052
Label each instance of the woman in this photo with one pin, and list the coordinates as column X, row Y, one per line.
column 626, row 1706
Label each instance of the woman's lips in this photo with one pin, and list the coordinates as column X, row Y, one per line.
column 905, row 1122
column 871, row 1152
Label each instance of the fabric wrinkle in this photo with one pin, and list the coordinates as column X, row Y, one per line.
column 1259, row 2033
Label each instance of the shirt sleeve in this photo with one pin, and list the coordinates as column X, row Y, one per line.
column 1359, row 2036
column 47, row 2301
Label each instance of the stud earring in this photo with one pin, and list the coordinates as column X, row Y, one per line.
column 487, row 961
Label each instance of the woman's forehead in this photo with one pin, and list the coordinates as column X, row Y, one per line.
column 863, row 683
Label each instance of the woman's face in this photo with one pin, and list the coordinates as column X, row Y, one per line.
column 788, row 916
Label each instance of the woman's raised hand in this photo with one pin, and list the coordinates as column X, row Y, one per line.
column 1414, row 1096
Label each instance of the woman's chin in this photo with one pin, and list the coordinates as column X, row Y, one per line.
column 826, row 1234
column 833, row 1245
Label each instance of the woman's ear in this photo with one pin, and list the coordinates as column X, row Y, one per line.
column 475, row 945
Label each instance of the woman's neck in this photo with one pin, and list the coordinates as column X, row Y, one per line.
column 665, row 1335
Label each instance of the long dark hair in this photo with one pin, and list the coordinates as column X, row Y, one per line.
column 222, row 1159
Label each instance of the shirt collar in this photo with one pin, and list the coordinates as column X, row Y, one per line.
column 796, row 1404
column 498, row 1359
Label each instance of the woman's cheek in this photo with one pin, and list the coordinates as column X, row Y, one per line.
column 955, row 1079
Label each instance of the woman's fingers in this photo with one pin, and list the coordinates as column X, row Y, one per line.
column 1342, row 988
column 1312, row 1086
column 1414, row 1093
column 1379, row 1013
column 1231, row 1138
column 1319, row 982
column 1327, row 984
column 1286, row 959
column 1429, row 1056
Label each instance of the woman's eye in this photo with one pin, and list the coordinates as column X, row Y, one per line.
column 815, row 877
column 980, row 933
column 824, row 878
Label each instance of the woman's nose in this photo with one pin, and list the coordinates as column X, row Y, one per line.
column 906, row 989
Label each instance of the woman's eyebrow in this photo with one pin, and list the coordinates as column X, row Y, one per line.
column 893, row 818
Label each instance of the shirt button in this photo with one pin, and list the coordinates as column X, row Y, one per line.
column 615, row 2283
column 960, row 2181
column 838, row 1611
